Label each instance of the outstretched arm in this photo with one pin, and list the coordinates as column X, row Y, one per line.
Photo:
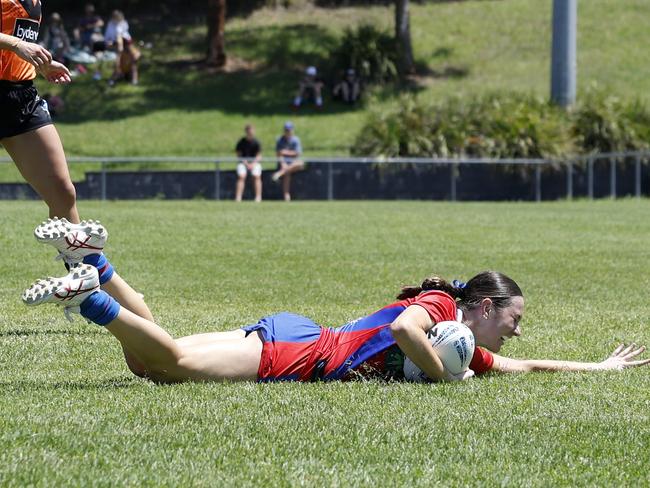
column 622, row 358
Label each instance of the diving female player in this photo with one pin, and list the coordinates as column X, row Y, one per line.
column 290, row 347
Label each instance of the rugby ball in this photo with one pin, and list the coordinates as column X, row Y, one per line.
column 453, row 342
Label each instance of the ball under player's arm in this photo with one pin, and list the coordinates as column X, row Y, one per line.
column 622, row 358
column 410, row 332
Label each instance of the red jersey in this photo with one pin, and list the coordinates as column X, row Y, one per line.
column 297, row 349
column 21, row 19
column 389, row 363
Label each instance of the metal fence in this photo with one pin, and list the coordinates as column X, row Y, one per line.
column 568, row 166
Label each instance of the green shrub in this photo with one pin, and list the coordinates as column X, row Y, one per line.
column 607, row 124
column 499, row 126
column 370, row 52
column 504, row 126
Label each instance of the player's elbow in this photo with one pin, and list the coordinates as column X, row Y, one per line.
column 400, row 328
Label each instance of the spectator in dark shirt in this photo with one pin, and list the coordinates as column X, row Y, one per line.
column 249, row 152
column 310, row 86
column 349, row 88
column 89, row 33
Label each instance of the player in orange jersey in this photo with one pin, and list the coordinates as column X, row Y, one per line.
column 26, row 129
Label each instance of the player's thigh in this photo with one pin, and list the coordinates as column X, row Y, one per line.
column 39, row 157
column 218, row 360
column 209, row 337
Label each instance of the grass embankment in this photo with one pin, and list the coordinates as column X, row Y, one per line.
column 72, row 414
column 470, row 47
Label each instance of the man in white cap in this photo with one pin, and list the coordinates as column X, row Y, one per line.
column 309, row 85
column 288, row 150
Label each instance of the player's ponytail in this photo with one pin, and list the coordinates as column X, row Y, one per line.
column 454, row 289
column 488, row 284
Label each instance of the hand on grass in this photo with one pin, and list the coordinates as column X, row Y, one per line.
column 465, row 375
column 622, row 358
column 55, row 72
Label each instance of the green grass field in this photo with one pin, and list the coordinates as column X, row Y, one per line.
column 71, row 414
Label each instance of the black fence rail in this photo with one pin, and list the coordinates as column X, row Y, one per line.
column 594, row 176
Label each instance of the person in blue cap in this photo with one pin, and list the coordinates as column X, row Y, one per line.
column 288, row 150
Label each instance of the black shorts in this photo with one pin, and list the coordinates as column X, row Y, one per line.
column 21, row 108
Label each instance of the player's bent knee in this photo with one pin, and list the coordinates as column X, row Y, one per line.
column 134, row 365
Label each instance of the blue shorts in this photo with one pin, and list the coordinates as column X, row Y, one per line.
column 297, row 349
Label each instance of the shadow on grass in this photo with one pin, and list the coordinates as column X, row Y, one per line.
column 265, row 85
column 37, row 332
column 111, row 384
column 261, row 78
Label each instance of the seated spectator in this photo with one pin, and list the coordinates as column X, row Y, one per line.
column 288, row 150
column 249, row 152
column 118, row 38
column 348, row 89
column 88, row 34
column 55, row 39
column 310, row 87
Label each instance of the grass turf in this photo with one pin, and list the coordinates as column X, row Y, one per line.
column 72, row 415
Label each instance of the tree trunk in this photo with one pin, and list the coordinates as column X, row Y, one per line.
column 403, row 37
column 216, row 55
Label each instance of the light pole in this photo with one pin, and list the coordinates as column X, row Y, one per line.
column 563, row 55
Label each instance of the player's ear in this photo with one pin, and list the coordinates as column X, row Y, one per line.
column 487, row 308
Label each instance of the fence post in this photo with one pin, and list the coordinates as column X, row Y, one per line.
column 103, row 180
column 217, row 181
column 453, row 168
column 569, row 180
column 590, row 177
column 538, row 182
column 637, row 176
column 330, row 182
column 612, row 177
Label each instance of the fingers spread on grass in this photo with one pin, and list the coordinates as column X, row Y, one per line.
column 634, row 353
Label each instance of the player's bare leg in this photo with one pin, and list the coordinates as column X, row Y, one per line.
column 39, row 157
column 209, row 357
column 85, row 241
column 200, row 339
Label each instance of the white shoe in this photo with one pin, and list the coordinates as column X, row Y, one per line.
column 73, row 241
column 68, row 291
